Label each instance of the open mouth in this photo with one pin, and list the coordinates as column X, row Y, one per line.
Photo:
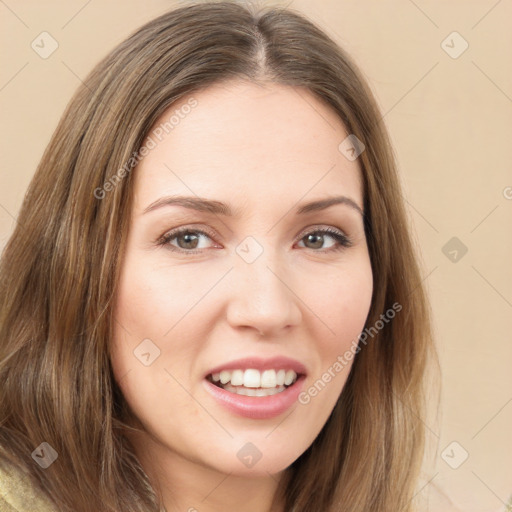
column 252, row 382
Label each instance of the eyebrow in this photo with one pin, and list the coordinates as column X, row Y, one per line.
column 219, row 208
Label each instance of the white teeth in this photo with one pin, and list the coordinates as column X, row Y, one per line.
column 237, row 378
column 289, row 377
column 225, row 377
column 240, row 390
column 268, row 379
column 251, row 379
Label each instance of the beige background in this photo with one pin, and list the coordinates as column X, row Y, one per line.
column 450, row 120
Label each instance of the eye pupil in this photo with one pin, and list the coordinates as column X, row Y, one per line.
column 319, row 240
column 187, row 237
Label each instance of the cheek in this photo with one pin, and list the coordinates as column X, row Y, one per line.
column 149, row 344
column 343, row 309
column 341, row 312
column 342, row 304
column 148, row 304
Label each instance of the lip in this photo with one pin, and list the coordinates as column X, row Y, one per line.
column 258, row 363
column 256, row 407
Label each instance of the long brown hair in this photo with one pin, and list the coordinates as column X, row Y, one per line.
column 60, row 268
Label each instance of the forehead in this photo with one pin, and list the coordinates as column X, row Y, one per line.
column 247, row 141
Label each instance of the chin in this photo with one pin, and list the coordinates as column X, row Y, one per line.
column 256, row 459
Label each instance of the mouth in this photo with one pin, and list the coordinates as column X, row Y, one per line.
column 253, row 382
column 256, row 388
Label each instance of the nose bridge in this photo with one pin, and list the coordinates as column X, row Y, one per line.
column 262, row 295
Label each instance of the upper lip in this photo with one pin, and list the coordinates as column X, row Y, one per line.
column 258, row 363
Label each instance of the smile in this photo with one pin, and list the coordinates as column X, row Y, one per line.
column 252, row 382
column 255, row 387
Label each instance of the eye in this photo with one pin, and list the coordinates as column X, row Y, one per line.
column 317, row 239
column 188, row 240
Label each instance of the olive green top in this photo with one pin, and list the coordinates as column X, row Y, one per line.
column 17, row 493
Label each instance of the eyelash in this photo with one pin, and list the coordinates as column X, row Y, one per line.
column 342, row 240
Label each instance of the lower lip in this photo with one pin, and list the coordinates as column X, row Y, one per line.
column 257, row 407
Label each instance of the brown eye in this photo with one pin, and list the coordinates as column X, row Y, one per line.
column 190, row 240
column 187, row 240
column 316, row 240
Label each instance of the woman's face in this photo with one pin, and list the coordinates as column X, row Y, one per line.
column 191, row 304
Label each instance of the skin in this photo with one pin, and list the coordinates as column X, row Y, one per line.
column 243, row 144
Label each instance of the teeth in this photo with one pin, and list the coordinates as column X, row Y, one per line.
column 289, row 377
column 268, row 379
column 237, row 378
column 251, row 379
column 240, row 390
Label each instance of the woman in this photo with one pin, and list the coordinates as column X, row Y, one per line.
column 211, row 300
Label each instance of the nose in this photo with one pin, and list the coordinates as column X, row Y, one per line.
column 262, row 296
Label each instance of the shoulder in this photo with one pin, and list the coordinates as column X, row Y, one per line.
column 17, row 493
